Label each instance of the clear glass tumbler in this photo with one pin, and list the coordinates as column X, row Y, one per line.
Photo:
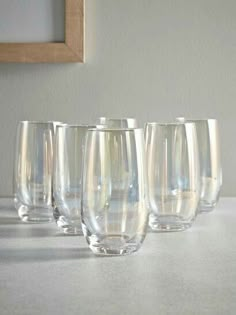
column 173, row 175
column 114, row 200
column 33, row 171
column 210, row 162
column 67, row 181
column 118, row 122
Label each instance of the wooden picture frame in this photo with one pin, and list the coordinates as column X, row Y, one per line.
column 71, row 50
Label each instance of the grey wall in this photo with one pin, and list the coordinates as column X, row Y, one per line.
column 146, row 58
column 32, row 20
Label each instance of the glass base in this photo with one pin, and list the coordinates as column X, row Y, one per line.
column 114, row 245
column 31, row 214
column 168, row 224
column 205, row 207
column 72, row 230
column 67, row 226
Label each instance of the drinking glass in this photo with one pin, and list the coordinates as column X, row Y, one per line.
column 114, row 200
column 173, row 175
column 68, row 158
column 118, row 122
column 210, row 162
column 33, row 171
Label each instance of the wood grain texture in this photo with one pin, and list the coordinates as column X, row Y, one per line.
column 69, row 51
column 75, row 21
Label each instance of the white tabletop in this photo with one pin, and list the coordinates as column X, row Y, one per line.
column 192, row 272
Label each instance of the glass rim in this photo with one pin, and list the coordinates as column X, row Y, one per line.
column 117, row 119
column 38, row 122
column 82, row 126
column 177, row 123
column 196, row 120
column 115, row 129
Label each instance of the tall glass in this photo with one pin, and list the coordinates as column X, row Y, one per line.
column 173, row 175
column 210, row 162
column 118, row 122
column 114, row 201
column 67, row 183
column 33, row 171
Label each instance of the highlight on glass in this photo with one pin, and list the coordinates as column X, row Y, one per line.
column 210, row 162
column 118, row 122
column 67, row 182
column 173, row 175
column 114, row 199
column 33, row 171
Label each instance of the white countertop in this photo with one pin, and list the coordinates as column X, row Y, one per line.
column 192, row 272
